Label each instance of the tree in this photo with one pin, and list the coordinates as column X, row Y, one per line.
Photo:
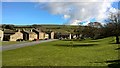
column 78, row 31
column 113, row 27
column 86, row 32
column 8, row 26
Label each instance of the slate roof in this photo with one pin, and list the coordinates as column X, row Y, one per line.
column 38, row 30
column 8, row 31
column 29, row 32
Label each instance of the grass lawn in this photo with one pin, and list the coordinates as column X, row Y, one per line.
column 64, row 53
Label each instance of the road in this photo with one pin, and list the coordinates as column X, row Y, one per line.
column 15, row 46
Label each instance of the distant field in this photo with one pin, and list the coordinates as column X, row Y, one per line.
column 64, row 53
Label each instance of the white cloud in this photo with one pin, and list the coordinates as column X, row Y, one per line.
column 82, row 10
column 66, row 16
column 113, row 10
column 75, row 22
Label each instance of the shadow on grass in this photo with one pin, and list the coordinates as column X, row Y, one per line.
column 113, row 63
column 72, row 40
column 117, row 49
column 114, row 43
column 94, row 41
column 75, row 45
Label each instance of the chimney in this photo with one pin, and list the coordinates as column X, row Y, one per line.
column 31, row 30
column 18, row 30
column 70, row 36
column 23, row 29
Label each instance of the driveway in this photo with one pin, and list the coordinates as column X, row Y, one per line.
column 15, row 46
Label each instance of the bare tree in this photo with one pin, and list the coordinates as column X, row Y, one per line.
column 114, row 25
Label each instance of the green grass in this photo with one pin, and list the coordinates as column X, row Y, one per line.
column 9, row 42
column 63, row 53
column 4, row 43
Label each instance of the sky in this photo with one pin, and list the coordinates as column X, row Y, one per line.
column 71, row 13
column 22, row 13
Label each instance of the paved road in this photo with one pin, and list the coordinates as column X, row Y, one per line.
column 15, row 46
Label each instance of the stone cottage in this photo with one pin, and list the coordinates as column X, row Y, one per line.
column 29, row 35
column 40, row 34
column 1, row 35
column 10, row 35
column 16, row 36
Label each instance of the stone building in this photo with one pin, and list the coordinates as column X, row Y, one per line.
column 29, row 35
column 40, row 34
column 16, row 36
column 43, row 35
column 10, row 35
column 46, row 36
column 52, row 35
column 1, row 35
column 32, row 36
column 25, row 35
